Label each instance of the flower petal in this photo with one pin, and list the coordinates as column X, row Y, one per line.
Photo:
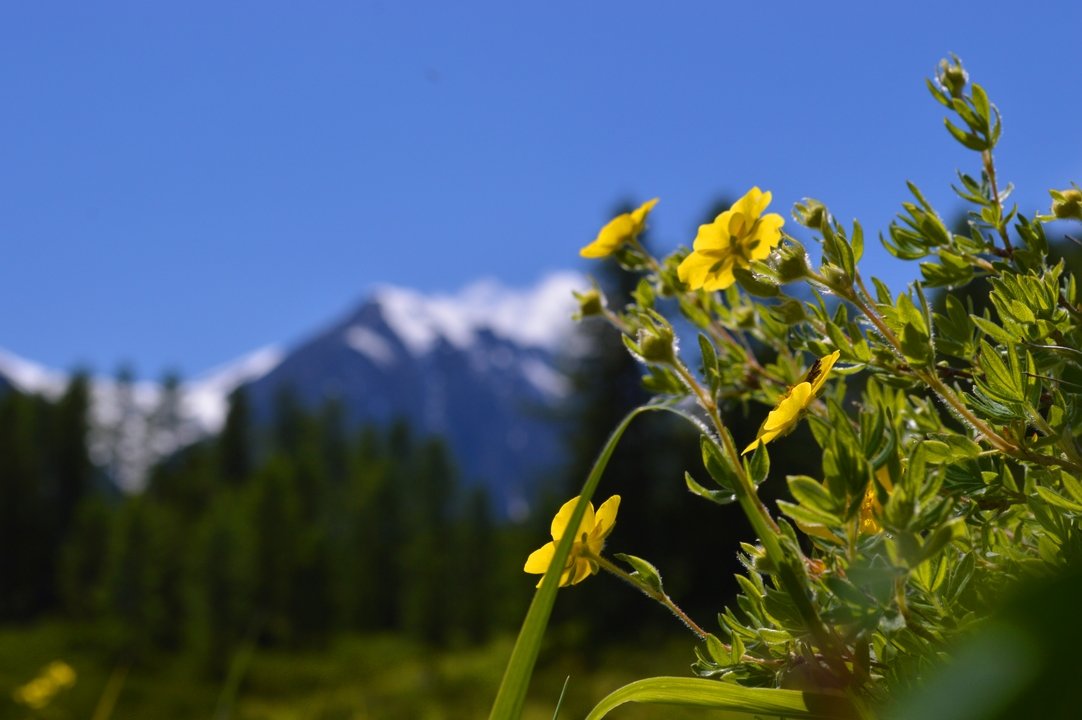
column 540, row 559
column 615, row 232
column 563, row 517
column 583, row 569
column 606, row 518
column 721, row 278
column 782, row 418
column 713, row 236
column 817, row 374
column 694, row 268
column 752, row 204
column 767, row 234
column 638, row 215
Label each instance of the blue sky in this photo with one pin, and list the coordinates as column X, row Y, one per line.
column 181, row 183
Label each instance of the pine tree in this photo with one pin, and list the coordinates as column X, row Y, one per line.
column 235, row 443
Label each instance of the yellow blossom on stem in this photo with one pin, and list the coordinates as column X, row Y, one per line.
column 589, row 540
column 735, row 238
column 870, row 507
column 622, row 228
column 787, row 414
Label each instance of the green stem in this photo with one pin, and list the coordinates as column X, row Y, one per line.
column 757, row 513
column 946, row 394
column 990, row 171
column 652, row 593
column 794, row 583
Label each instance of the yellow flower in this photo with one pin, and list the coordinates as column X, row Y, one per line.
column 39, row 692
column 60, row 674
column 589, row 540
column 871, row 510
column 735, row 238
column 620, row 229
column 870, row 507
column 787, row 414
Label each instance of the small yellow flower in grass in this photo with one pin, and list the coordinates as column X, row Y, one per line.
column 787, row 414
column 589, row 540
column 735, row 238
column 39, row 692
column 620, row 229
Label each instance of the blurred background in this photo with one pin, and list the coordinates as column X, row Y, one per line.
column 289, row 387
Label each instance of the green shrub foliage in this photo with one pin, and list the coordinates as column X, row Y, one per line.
column 946, row 436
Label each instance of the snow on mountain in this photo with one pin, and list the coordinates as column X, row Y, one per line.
column 478, row 367
column 132, row 425
column 536, row 317
column 30, row 377
column 205, row 400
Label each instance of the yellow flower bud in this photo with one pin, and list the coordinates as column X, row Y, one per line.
column 590, row 303
column 952, row 77
column 811, row 213
column 657, row 345
column 1067, row 204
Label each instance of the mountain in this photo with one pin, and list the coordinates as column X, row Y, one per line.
column 479, row 368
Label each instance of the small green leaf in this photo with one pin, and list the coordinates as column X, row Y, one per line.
column 720, row 497
column 970, row 140
column 811, row 494
column 717, row 465
column 758, row 467
column 807, row 515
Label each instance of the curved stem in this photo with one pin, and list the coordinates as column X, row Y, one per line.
column 650, row 592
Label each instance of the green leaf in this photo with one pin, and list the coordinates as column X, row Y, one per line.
column 721, row 497
column 710, row 356
column 992, row 330
column 1002, row 382
column 758, row 467
column 645, row 572
column 857, row 241
column 980, row 102
column 811, row 494
column 716, row 649
column 1054, row 498
column 717, row 465
column 970, row 140
column 732, row 701
column 808, row 515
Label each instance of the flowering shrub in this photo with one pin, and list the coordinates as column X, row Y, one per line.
column 948, row 437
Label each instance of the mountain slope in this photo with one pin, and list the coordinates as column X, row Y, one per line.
column 478, row 368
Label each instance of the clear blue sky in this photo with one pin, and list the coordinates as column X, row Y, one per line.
column 184, row 182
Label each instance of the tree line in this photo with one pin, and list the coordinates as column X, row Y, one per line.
column 279, row 533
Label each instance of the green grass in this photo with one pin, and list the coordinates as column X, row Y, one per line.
column 354, row 678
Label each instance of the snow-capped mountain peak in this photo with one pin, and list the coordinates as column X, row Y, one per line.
column 537, row 317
